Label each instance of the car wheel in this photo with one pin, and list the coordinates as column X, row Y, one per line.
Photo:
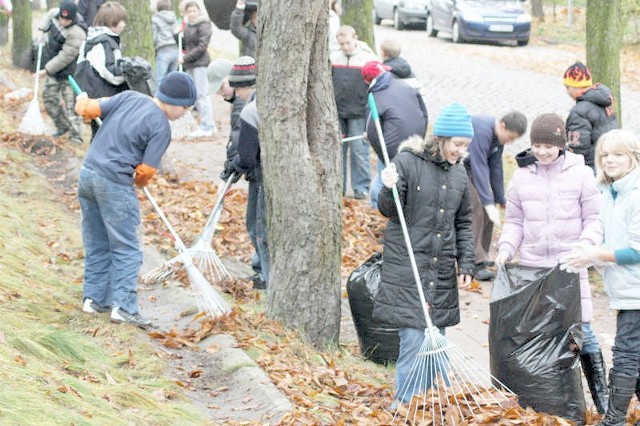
column 455, row 33
column 523, row 42
column 430, row 31
column 376, row 18
column 397, row 22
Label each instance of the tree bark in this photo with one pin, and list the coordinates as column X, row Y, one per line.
column 137, row 39
column 359, row 14
column 537, row 11
column 21, row 50
column 300, row 153
column 605, row 27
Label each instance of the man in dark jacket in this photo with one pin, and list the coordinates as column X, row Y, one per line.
column 593, row 114
column 484, row 165
column 351, row 100
column 59, row 58
column 402, row 114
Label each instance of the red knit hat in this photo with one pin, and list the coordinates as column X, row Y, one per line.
column 373, row 69
column 578, row 75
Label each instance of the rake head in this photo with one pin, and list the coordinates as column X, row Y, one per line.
column 208, row 261
column 183, row 126
column 445, row 386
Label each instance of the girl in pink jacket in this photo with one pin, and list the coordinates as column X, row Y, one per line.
column 552, row 203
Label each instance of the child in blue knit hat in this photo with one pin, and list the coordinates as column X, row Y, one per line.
column 434, row 195
column 127, row 151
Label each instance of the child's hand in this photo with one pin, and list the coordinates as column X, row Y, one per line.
column 389, row 176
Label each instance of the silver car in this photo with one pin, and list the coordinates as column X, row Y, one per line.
column 403, row 12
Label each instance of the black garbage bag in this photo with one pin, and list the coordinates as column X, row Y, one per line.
column 379, row 342
column 534, row 336
column 137, row 74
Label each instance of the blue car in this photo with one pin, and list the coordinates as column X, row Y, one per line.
column 479, row 20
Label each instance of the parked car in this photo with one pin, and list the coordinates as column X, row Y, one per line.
column 479, row 20
column 403, row 12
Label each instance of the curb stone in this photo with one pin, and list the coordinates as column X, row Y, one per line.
column 228, row 385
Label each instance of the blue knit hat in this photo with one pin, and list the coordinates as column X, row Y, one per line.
column 177, row 88
column 454, row 121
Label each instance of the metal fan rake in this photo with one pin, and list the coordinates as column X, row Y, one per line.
column 444, row 386
column 202, row 252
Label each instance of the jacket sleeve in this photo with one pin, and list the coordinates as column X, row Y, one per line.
column 479, row 160
column 579, row 130
column 204, row 37
column 386, row 203
column 235, row 24
column 248, row 148
column 590, row 199
column 464, row 236
column 512, row 230
column 496, row 178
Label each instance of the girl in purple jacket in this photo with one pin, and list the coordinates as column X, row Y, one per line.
column 552, row 203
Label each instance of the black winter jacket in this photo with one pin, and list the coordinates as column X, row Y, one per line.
column 400, row 68
column 348, row 85
column 436, row 204
column 402, row 114
column 196, row 43
column 592, row 116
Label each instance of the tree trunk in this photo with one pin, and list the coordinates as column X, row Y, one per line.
column 137, row 39
column 359, row 14
column 21, row 50
column 537, row 10
column 605, row 28
column 300, row 152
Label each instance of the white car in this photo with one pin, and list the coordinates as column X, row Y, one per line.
column 403, row 12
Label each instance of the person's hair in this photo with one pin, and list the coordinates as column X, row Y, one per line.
column 391, row 48
column 110, row 14
column 515, row 121
column 189, row 4
column 618, row 141
column 346, row 31
column 163, row 5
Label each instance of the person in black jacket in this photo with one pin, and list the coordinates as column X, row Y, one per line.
column 434, row 194
column 593, row 115
column 88, row 9
column 402, row 114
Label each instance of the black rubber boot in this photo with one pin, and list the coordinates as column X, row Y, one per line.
column 621, row 389
column 595, row 372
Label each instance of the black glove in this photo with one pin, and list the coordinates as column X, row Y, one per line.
column 228, row 170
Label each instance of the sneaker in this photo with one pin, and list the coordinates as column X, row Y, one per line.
column 201, row 133
column 119, row 316
column 91, row 307
column 258, row 282
column 359, row 195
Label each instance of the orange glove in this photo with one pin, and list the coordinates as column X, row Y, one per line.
column 87, row 108
column 143, row 175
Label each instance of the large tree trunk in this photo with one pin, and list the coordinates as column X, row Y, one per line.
column 537, row 10
column 4, row 28
column 359, row 14
column 300, row 152
column 21, row 51
column 137, row 39
column 605, row 27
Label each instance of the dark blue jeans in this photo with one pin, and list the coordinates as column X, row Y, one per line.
column 256, row 221
column 626, row 346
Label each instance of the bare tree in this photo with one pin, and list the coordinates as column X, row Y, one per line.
column 300, row 152
column 605, row 27
column 359, row 14
column 137, row 39
column 21, row 49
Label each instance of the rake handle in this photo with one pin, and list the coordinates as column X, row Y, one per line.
column 396, row 198
column 207, row 231
column 38, row 63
